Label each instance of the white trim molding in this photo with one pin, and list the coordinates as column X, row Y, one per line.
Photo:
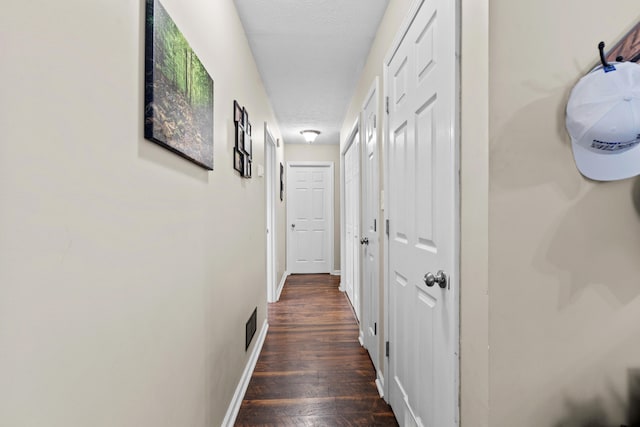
column 335, row 273
column 241, row 389
column 380, row 383
column 281, row 285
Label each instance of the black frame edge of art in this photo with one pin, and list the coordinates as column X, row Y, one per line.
column 237, row 112
column 202, row 155
column 281, row 182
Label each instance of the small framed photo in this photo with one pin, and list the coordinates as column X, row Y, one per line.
column 247, row 167
column 238, row 161
column 240, row 138
column 248, row 146
column 237, row 112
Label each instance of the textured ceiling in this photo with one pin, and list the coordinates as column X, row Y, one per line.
column 310, row 54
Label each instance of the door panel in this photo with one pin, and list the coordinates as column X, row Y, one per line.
column 425, row 180
column 371, row 227
column 309, row 210
column 352, row 209
column 421, row 204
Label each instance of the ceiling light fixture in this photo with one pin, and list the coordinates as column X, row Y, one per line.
column 310, row 135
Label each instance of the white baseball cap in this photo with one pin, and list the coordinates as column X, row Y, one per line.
column 603, row 120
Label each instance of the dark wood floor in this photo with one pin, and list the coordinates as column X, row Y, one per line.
column 312, row 370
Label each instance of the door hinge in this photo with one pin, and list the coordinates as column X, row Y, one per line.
column 375, row 329
column 387, row 227
column 387, row 104
column 387, row 348
column 374, row 225
column 374, row 122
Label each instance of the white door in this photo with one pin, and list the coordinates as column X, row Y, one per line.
column 370, row 227
column 352, row 220
column 309, row 217
column 423, row 323
column 271, row 170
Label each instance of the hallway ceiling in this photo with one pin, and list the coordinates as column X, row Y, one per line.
column 310, row 54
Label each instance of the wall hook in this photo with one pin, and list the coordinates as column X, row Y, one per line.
column 605, row 65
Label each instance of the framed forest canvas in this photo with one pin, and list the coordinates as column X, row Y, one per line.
column 178, row 110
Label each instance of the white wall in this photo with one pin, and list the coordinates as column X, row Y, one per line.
column 321, row 153
column 126, row 272
column 563, row 251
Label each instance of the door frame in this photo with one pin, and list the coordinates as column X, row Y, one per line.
column 331, row 226
column 270, row 154
column 455, row 278
column 350, row 141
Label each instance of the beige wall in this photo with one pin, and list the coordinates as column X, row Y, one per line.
column 126, row 272
column 322, row 153
column 474, row 213
column 563, row 251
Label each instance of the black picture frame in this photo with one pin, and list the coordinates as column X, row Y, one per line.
column 178, row 106
column 247, row 167
column 243, row 149
column 240, row 138
column 237, row 112
column 238, row 161
column 248, row 146
column 281, row 182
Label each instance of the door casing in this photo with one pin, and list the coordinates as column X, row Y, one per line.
column 272, row 235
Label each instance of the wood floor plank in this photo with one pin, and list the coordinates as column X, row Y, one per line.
column 312, row 370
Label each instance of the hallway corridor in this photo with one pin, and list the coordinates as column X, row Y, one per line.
column 312, row 370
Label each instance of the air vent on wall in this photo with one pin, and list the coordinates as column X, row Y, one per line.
column 251, row 328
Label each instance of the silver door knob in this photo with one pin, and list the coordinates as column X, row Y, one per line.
column 364, row 241
column 440, row 278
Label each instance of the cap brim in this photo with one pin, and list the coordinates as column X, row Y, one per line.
column 609, row 166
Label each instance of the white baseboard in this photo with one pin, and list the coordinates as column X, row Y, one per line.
column 281, row 285
column 335, row 273
column 361, row 338
column 241, row 389
column 380, row 384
